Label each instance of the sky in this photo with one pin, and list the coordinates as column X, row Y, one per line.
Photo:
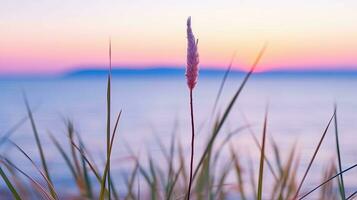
column 61, row 35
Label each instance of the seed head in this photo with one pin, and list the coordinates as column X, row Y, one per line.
column 192, row 57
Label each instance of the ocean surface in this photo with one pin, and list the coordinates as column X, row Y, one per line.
column 299, row 108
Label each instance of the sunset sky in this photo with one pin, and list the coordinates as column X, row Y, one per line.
column 60, row 35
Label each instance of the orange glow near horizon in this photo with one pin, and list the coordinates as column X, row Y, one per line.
column 53, row 37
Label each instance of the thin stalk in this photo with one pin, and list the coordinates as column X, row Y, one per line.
column 328, row 180
column 108, row 114
column 262, row 156
column 342, row 185
column 313, row 157
column 106, row 169
column 192, row 145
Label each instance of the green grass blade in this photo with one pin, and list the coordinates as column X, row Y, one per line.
column 154, row 192
column 172, row 186
column 86, row 179
column 342, row 185
column 107, row 165
column 261, row 163
column 18, row 183
column 286, row 172
column 93, row 169
column 65, row 156
column 7, row 134
column 146, row 175
column 277, row 156
column 108, row 116
column 39, row 145
column 225, row 76
column 15, row 194
column 203, row 180
column 170, row 173
column 239, row 174
column 43, row 174
column 221, row 181
column 70, row 131
column 183, row 166
column 86, row 152
column 36, row 184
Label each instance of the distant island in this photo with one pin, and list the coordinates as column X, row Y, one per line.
column 204, row 72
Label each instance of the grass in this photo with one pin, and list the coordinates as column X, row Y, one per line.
column 261, row 163
column 341, row 182
column 168, row 178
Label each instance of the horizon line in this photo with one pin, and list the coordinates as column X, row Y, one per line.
column 150, row 69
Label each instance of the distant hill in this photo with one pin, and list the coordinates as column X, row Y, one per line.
column 179, row 72
column 143, row 72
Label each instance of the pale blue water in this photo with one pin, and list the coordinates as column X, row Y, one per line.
column 299, row 109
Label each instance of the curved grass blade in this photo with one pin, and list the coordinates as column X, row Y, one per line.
column 79, row 174
column 88, row 184
column 50, row 185
column 7, row 134
column 227, row 111
column 107, row 168
column 37, row 185
column 93, row 169
column 14, row 193
column 18, row 183
column 277, row 155
column 65, row 156
column 342, row 185
column 85, row 150
column 225, row 76
column 12, row 130
column 39, row 145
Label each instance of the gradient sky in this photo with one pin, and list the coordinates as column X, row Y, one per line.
column 54, row 36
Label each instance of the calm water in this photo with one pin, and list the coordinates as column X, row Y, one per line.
column 299, row 109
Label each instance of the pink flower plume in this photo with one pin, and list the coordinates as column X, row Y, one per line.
column 192, row 57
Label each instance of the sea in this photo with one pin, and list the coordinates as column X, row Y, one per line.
column 155, row 108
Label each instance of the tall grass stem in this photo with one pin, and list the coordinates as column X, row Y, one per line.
column 192, row 145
